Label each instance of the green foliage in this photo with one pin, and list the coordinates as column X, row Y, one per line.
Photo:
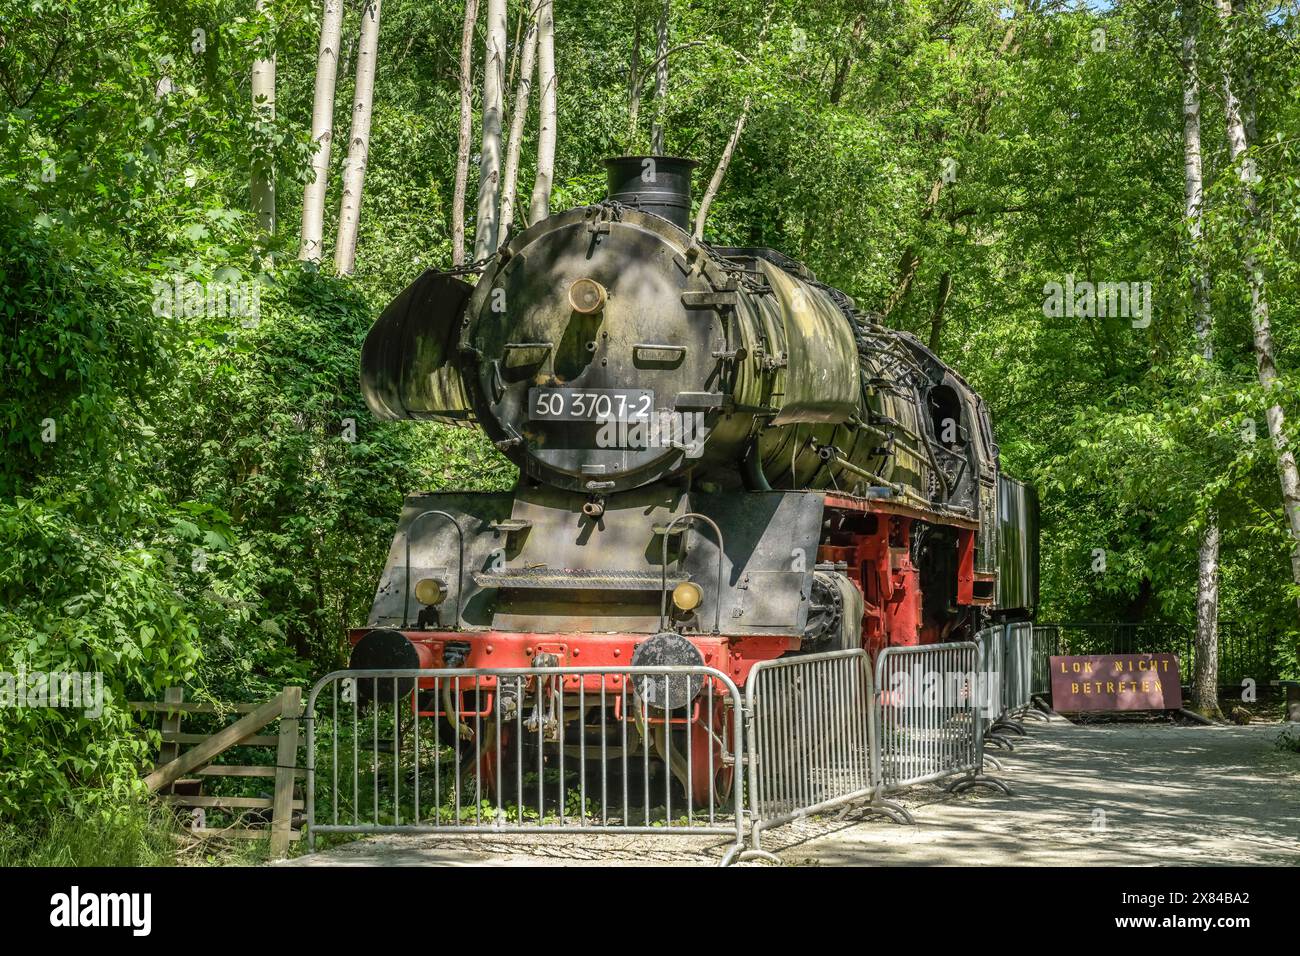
column 130, row 834
column 1288, row 738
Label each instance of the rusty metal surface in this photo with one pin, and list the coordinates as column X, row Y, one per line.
column 570, row 579
column 721, row 353
column 654, row 184
column 644, row 337
column 535, row 563
column 847, row 502
column 408, row 367
column 434, row 553
column 819, row 351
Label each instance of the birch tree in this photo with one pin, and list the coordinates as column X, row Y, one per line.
column 541, row 204
column 262, row 181
column 489, row 171
column 1262, row 338
column 1205, row 684
column 661, row 82
column 518, row 118
column 322, row 131
column 636, row 82
column 354, row 173
column 466, row 127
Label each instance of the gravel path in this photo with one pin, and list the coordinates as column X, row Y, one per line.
column 1098, row 795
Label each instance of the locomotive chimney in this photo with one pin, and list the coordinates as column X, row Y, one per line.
column 654, row 184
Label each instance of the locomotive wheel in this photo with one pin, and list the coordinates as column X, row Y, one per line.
column 838, row 626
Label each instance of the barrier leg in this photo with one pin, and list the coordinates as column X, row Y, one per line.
column 737, row 852
column 1042, row 710
column 1007, row 725
column 755, row 851
column 878, row 804
column 977, row 780
column 895, row 811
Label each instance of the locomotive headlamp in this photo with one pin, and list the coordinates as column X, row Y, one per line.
column 687, row 596
column 430, row 592
column 587, row 296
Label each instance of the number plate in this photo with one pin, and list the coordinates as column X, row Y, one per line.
column 590, row 404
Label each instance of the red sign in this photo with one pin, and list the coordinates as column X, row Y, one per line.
column 1116, row 682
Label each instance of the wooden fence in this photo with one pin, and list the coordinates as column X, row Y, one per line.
column 179, row 775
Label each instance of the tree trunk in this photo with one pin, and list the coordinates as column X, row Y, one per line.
column 1205, row 683
column 1246, row 95
column 910, row 262
column 322, row 131
column 634, row 82
column 528, row 14
column 844, row 66
column 517, row 119
column 262, row 182
column 347, row 70
column 541, row 205
column 489, row 170
column 1265, row 365
column 466, row 127
column 716, row 182
column 354, row 173
column 661, row 83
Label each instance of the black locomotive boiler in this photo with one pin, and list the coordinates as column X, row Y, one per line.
column 721, row 459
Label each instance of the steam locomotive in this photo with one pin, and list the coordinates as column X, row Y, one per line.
column 721, row 460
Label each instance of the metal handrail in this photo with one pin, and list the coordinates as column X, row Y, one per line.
column 663, row 593
column 460, row 564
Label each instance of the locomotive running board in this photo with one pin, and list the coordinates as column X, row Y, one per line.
column 570, row 579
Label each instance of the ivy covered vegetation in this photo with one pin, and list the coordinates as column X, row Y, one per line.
column 192, row 492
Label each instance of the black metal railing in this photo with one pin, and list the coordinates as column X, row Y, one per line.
column 1244, row 652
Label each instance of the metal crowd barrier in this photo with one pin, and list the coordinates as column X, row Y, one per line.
column 810, row 728
column 992, row 650
column 929, row 716
column 1009, row 667
column 1031, row 668
column 585, row 749
column 1019, row 638
column 1046, row 642
column 578, row 755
